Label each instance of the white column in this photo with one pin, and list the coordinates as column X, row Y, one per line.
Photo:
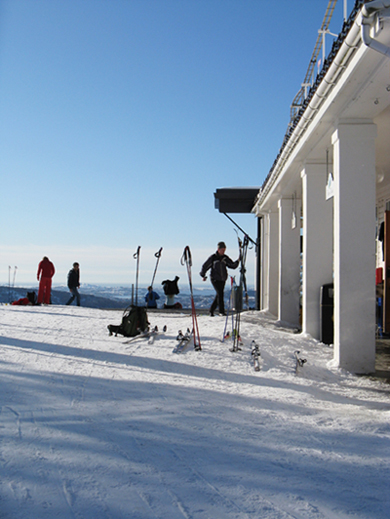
column 289, row 262
column 354, row 246
column 273, row 263
column 317, row 260
column 264, row 263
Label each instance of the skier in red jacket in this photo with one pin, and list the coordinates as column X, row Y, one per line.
column 45, row 272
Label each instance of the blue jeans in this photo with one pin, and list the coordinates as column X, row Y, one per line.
column 75, row 294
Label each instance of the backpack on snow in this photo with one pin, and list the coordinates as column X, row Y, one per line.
column 170, row 287
column 134, row 322
column 32, row 297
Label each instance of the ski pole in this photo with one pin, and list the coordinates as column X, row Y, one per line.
column 243, row 268
column 186, row 259
column 136, row 256
column 13, row 282
column 158, row 256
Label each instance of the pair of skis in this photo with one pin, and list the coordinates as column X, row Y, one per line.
column 183, row 341
column 255, row 352
column 236, row 321
column 243, row 248
column 229, row 313
column 148, row 334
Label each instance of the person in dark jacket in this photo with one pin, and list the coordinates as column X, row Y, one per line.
column 45, row 273
column 74, row 284
column 218, row 262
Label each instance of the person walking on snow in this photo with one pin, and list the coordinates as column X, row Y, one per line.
column 45, row 272
column 74, row 284
column 218, row 262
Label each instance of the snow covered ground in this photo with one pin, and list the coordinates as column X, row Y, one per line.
column 92, row 428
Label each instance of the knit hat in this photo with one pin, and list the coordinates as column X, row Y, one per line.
column 221, row 245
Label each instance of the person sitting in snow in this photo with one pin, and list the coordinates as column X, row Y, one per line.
column 171, row 289
column 151, row 298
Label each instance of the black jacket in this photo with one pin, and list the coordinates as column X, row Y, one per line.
column 219, row 265
column 73, row 278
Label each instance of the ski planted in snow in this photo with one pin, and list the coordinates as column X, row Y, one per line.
column 237, row 341
column 186, row 260
column 183, row 341
column 256, row 355
column 226, row 333
column 243, row 248
column 299, row 361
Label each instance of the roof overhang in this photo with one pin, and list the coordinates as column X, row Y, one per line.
column 235, row 199
column 355, row 88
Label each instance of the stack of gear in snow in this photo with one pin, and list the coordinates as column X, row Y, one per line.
column 134, row 322
column 30, row 299
column 134, row 319
column 171, row 289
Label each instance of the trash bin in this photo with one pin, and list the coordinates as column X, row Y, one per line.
column 326, row 313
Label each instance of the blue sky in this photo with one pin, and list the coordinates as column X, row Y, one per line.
column 120, row 118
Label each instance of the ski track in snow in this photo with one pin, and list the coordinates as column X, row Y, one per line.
column 92, row 428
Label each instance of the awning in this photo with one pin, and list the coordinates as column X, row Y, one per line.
column 235, row 199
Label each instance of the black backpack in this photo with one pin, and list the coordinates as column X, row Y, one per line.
column 32, row 297
column 134, row 321
column 170, row 287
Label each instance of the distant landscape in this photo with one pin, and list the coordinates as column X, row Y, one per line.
column 119, row 297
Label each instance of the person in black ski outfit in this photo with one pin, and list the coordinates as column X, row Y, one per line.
column 74, row 284
column 218, row 262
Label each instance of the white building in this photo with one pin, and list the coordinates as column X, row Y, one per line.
column 326, row 195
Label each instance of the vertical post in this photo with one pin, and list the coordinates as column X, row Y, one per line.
column 317, row 254
column 289, row 264
column 273, row 262
column 258, row 263
column 354, row 245
column 386, row 291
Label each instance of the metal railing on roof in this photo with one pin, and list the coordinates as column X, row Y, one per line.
column 309, row 78
column 325, row 66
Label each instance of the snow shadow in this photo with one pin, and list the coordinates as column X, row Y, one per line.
column 171, row 367
column 96, row 447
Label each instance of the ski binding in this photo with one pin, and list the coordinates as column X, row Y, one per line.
column 147, row 334
column 300, row 362
column 183, row 341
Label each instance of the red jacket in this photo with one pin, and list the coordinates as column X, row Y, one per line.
column 23, row 301
column 45, row 269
